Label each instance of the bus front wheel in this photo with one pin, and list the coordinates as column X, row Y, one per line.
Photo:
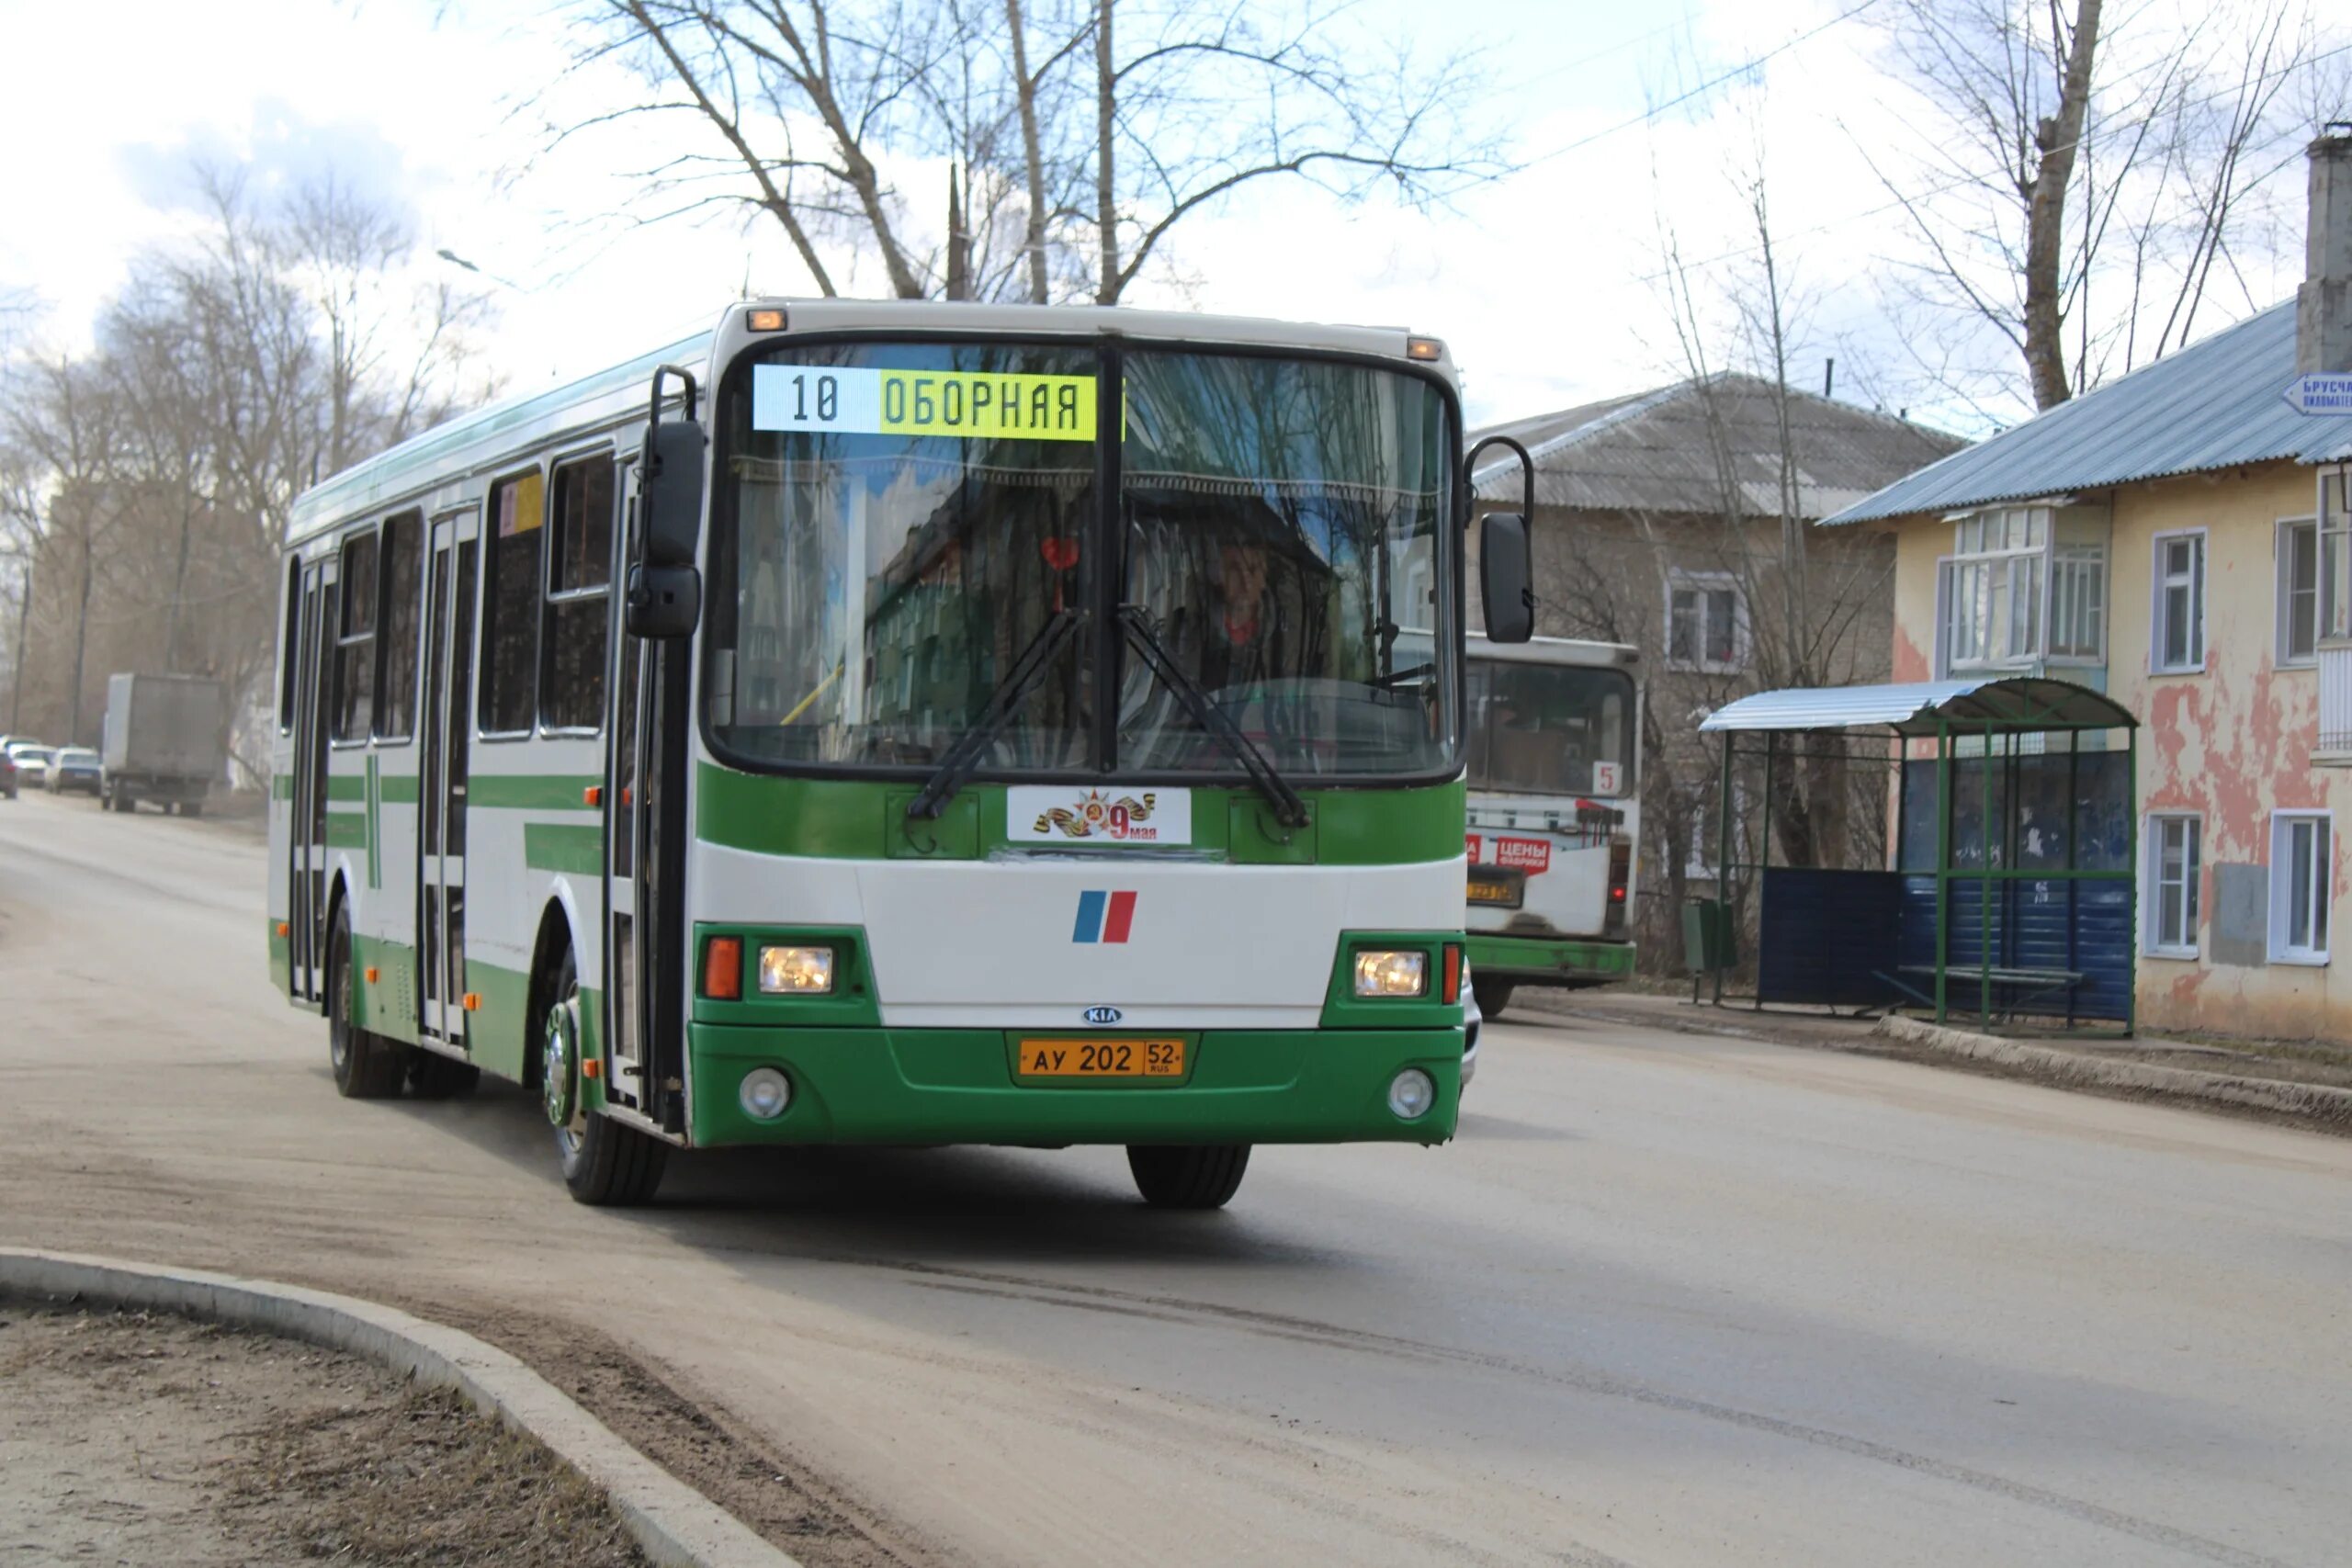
column 1187, row 1175
column 604, row 1163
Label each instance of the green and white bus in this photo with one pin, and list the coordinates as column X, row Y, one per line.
column 900, row 724
column 1554, row 731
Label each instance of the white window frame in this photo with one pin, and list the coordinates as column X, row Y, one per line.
column 2153, row 883
column 2077, row 561
column 2282, row 654
column 1703, row 584
column 2335, row 516
column 1999, row 567
column 2160, row 584
column 2283, row 948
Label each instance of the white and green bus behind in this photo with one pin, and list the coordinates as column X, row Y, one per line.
column 900, row 724
column 1554, row 815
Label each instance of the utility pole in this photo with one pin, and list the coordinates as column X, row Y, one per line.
column 81, row 637
column 16, row 670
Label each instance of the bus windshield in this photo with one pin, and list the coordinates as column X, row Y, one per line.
column 1550, row 729
column 904, row 529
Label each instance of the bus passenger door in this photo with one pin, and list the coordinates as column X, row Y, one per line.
column 441, row 789
column 306, row 859
column 625, row 1020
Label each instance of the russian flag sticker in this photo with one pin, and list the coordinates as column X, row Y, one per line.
column 1104, row 916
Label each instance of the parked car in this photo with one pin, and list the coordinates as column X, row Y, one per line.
column 32, row 762
column 7, row 776
column 73, row 770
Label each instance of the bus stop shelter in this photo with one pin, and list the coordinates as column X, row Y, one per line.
column 2009, row 892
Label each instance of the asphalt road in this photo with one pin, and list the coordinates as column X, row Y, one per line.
column 1667, row 1299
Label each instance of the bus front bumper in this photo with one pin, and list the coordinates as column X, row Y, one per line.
column 954, row 1086
column 1535, row 960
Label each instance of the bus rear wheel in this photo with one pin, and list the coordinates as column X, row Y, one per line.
column 1188, row 1175
column 366, row 1065
column 605, row 1163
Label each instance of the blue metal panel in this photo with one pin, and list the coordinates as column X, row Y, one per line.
column 1826, row 936
column 2084, row 927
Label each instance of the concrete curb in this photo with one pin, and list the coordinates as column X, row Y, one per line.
column 673, row 1524
column 2323, row 1103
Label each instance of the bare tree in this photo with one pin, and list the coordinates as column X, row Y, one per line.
column 2080, row 175
column 1078, row 134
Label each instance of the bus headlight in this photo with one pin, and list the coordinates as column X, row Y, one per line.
column 1385, row 973
column 766, row 1094
column 796, row 971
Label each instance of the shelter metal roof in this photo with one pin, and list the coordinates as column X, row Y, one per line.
column 2215, row 404
column 2005, row 706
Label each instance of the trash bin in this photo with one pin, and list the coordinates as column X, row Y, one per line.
column 1707, row 946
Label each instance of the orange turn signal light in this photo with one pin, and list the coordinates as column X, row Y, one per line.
column 1452, row 992
column 594, row 795
column 591, row 1068
column 473, row 1001
column 1428, row 350
column 284, row 930
column 371, row 974
column 722, row 969
column 766, row 321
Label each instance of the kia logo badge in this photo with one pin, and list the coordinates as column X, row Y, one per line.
column 1103, row 1015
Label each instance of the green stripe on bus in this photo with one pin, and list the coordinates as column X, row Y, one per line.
column 281, row 786
column 865, row 819
column 346, row 829
column 531, row 792
column 397, row 789
column 347, row 786
column 552, row 846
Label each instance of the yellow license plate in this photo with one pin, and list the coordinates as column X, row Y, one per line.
column 1102, row 1058
column 1493, row 892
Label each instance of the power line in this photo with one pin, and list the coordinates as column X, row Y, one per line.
column 1709, row 86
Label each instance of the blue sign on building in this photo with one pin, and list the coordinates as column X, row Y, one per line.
column 2322, row 392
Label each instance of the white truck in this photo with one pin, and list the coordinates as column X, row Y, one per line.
column 163, row 741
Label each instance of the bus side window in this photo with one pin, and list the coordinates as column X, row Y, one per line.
column 403, row 589
column 288, row 648
column 354, row 653
column 571, row 680
column 510, row 606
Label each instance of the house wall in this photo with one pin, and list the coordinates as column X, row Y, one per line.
column 2232, row 743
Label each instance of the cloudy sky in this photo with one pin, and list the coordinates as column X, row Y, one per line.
column 1547, row 284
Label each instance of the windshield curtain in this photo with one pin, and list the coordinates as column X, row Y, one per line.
column 900, row 524
column 1550, row 729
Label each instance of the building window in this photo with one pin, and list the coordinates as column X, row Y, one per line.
column 2177, row 643
column 2298, row 591
column 1998, row 585
column 2078, row 603
column 2302, row 864
column 2334, row 530
column 1706, row 623
column 2176, row 860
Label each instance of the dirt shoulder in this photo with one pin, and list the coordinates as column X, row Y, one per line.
column 144, row 1440
column 2300, row 1084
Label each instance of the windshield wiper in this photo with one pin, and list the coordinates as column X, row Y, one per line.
column 963, row 758
column 1289, row 811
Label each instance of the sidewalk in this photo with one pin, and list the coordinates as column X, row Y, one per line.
column 2309, row 1088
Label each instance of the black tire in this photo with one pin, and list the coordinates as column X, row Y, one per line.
column 366, row 1065
column 432, row 1075
column 191, row 808
column 1493, row 995
column 1188, row 1175
column 119, row 799
column 605, row 1163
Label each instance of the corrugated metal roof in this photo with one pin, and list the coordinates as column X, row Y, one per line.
column 1674, row 449
column 2215, row 404
column 2015, row 704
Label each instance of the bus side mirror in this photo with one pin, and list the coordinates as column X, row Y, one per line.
column 662, row 602
column 1506, row 578
column 670, row 494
